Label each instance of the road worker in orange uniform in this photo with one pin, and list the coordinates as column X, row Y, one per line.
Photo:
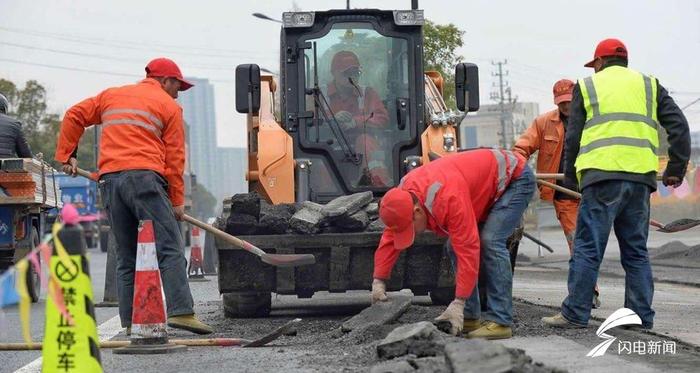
column 141, row 162
column 358, row 110
column 477, row 199
column 546, row 134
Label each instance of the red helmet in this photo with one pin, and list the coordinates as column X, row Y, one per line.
column 608, row 48
column 165, row 67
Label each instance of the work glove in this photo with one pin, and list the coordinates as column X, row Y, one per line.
column 673, row 181
column 343, row 116
column 452, row 320
column 378, row 291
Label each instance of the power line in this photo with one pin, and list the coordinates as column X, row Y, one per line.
column 181, row 50
column 105, row 57
column 91, row 71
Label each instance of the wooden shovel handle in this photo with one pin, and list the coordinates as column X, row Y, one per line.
column 224, row 236
column 560, row 188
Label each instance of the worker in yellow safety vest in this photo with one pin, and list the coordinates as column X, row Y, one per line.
column 611, row 149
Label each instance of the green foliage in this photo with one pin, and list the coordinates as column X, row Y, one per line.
column 440, row 43
column 203, row 202
column 41, row 128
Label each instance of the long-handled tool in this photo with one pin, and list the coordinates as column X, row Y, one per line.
column 537, row 241
column 278, row 260
column 672, row 227
column 214, row 342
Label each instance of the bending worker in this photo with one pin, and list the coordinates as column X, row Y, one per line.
column 477, row 198
column 12, row 140
column 141, row 161
column 611, row 149
column 546, row 135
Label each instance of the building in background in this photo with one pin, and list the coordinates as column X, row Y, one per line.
column 485, row 128
column 220, row 170
column 199, row 113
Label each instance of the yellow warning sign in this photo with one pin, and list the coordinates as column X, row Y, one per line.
column 71, row 347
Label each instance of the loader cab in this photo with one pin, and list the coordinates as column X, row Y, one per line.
column 352, row 96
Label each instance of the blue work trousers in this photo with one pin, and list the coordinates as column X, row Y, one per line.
column 132, row 196
column 624, row 206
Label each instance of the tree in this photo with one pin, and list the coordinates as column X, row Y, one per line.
column 203, row 202
column 440, row 43
column 41, row 128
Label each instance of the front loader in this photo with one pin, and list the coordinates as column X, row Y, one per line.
column 304, row 144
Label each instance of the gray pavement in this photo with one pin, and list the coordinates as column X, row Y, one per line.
column 319, row 347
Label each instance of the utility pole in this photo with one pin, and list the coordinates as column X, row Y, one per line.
column 499, row 95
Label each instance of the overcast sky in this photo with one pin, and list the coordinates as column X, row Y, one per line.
column 78, row 48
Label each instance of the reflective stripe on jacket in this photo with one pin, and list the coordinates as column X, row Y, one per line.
column 142, row 129
column 621, row 130
column 457, row 193
column 545, row 136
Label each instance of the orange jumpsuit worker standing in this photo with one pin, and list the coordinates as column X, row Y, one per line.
column 141, row 162
column 546, row 134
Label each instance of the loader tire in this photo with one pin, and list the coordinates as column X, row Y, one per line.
column 442, row 296
column 255, row 304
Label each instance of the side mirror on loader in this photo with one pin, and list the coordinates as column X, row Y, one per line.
column 467, row 87
column 248, row 88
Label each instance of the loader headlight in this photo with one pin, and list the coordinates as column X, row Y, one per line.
column 298, row 19
column 408, row 17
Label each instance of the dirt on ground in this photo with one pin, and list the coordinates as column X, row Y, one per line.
column 322, row 346
column 677, row 251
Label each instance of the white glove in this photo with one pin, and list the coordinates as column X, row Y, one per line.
column 343, row 116
column 455, row 315
column 378, row 291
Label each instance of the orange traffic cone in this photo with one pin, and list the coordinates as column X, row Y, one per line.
column 148, row 332
column 195, row 271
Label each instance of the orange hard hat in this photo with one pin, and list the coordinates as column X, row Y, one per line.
column 165, row 67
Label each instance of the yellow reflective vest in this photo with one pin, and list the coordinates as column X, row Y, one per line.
column 621, row 129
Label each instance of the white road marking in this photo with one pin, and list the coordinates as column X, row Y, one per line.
column 105, row 331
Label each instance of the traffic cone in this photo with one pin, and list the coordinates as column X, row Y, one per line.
column 195, row 271
column 148, row 332
column 70, row 335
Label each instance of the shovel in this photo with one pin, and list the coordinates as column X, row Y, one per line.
column 672, row 227
column 209, row 342
column 277, row 260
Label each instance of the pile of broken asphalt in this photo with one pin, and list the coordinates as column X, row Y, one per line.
column 388, row 337
column 252, row 215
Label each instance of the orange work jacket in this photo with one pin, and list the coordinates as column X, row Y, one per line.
column 142, row 129
column 546, row 135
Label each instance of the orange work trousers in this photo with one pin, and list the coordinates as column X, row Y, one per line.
column 566, row 210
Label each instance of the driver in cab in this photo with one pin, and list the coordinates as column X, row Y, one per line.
column 357, row 109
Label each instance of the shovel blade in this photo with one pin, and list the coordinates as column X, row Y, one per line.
column 289, row 260
column 679, row 225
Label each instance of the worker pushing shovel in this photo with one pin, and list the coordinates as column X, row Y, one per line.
column 141, row 162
